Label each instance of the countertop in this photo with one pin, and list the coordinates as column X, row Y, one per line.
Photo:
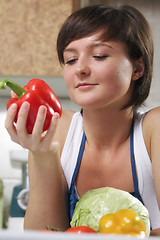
column 35, row 235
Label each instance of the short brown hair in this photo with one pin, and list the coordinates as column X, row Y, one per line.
column 125, row 24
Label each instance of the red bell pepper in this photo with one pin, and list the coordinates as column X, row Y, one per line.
column 37, row 93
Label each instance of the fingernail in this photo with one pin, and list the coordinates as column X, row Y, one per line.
column 13, row 107
column 42, row 109
column 25, row 106
column 56, row 115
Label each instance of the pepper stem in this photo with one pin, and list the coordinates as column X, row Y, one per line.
column 19, row 91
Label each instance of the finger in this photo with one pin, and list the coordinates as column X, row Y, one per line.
column 39, row 123
column 52, row 128
column 21, row 123
column 13, row 95
column 9, row 121
column 22, row 116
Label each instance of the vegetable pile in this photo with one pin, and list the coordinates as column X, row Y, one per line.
column 110, row 211
column 98, row 202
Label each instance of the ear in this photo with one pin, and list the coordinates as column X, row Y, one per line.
column 138, row 69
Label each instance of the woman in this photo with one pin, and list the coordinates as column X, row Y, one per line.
column 108, row 57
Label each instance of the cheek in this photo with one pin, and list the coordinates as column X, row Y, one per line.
column 68, row 77
column 117, row 80
column 126, row 68
column 123, row 73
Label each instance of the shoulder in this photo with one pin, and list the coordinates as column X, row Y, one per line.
column 66, row 118
column 152, row 119
column 63, row 127
column 151, row 128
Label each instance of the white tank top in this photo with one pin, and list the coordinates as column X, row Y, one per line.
column 143, row 164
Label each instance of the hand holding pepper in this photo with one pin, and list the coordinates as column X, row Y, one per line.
column 37, row 93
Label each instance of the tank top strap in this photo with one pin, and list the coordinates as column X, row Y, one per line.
column 134, row 174
column 73, row 198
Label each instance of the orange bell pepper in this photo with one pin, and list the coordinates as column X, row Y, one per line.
column 124, row 221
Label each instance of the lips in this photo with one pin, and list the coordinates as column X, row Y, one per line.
column 85, row 85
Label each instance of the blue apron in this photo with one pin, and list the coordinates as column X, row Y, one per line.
column 73, row 199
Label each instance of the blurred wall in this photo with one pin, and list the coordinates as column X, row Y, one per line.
column 28, row 30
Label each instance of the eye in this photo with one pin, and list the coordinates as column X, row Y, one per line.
column 100, row 57
column 71, row 61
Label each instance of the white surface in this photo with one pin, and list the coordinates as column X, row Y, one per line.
column 13, row 235
column 15, row 224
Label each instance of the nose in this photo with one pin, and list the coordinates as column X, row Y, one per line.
column 83, row 68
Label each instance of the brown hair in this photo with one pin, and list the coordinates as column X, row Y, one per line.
column 125, row 24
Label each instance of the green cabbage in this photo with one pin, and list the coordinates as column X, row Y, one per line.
column 98, row 202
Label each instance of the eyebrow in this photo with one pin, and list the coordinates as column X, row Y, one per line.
column 100, row 44
column 69, row 50
column 93, row 45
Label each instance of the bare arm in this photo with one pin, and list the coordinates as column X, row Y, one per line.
column 47, row 184
column 154, row 126
column 46, row 197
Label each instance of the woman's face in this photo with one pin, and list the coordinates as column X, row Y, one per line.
column 98, row 74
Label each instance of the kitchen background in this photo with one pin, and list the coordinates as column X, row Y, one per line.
column 28, row 30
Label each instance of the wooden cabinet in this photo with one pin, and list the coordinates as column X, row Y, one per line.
column 28, row 33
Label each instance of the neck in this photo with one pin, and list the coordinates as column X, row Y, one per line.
column 107, row 128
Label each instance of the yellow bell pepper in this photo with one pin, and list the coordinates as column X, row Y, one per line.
column 124, row 221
